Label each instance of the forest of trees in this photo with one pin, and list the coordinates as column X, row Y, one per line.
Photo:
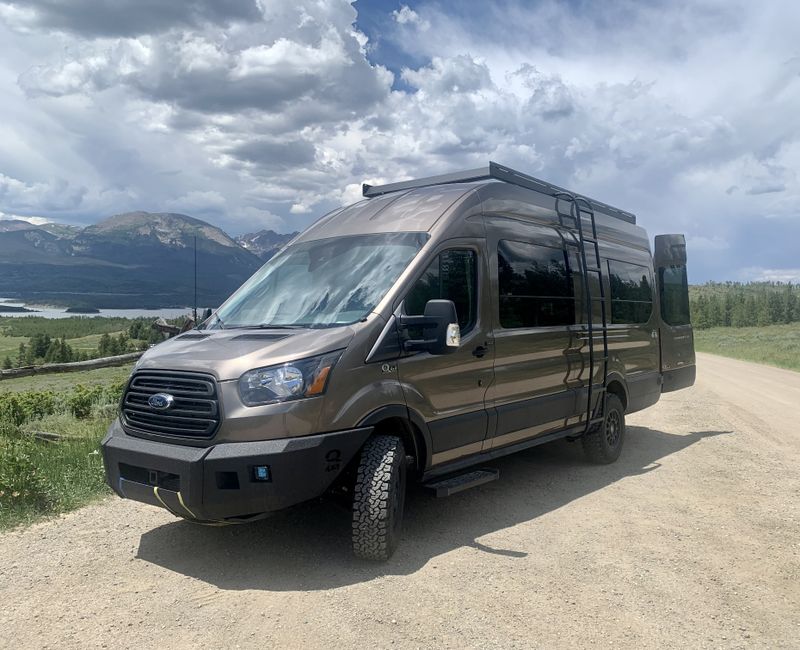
column 735, row 304
column 43, row 349
column 48, row 339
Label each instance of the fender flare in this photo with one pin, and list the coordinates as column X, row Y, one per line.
column 619, row 378
column 403, row 412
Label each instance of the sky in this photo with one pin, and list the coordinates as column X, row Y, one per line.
column 259, row 114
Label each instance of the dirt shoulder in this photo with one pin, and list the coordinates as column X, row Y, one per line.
column 692, row 539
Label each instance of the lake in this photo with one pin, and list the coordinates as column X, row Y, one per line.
column 60, row 312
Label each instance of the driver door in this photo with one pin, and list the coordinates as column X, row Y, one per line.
column 449, row 391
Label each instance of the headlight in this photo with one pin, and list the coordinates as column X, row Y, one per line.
column 288, row 381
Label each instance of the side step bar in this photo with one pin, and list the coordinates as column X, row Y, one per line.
column 454, row 484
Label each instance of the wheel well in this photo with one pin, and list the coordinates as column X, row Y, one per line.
column 412, row 437
column 617, row 388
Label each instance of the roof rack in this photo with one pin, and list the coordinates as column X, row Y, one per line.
column 497, row 172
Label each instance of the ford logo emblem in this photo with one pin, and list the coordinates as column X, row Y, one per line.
column 161, row 401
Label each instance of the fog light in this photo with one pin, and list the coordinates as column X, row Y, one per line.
column 261, row 473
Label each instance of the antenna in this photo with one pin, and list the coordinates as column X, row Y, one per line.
column 194, row 308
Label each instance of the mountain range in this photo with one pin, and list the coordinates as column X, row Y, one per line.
column 131, row 260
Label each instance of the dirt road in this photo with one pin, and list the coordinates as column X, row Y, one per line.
column 692, row 539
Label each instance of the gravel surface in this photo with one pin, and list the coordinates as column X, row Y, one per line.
column 691, row 539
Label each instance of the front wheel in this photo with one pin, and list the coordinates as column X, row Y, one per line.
column 378, row 498
column 604, row 444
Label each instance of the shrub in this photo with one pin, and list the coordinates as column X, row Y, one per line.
column 18, row 408
column 80, row 401
column 22, row 481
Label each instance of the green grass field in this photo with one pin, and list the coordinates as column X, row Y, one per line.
column 774, row 345
column 65, row 381
column 9, row 346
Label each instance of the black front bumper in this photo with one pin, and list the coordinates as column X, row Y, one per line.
column 222, row 482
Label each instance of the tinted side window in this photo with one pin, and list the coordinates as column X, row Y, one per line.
column 451, row 276
column 631, row 292
column 674, row 295
column 534, row 285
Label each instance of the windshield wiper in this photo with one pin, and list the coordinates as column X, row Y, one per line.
column 272, row 326
column 218, row 321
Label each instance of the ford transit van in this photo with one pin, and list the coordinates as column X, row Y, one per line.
column 413, row 336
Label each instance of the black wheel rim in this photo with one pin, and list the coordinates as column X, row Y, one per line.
column 613, row 428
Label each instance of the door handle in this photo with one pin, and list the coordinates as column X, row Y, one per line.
column 480, row 351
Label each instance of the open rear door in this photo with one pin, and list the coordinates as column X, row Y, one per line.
column 676, row 336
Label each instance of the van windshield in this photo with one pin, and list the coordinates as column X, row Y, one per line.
column 323, row 283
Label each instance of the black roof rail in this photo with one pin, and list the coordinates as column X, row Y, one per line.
column 493, row 171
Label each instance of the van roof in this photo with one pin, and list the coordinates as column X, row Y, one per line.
column 496, row 172
column 416, row 206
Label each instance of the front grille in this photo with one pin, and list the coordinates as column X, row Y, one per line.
column 194, row 412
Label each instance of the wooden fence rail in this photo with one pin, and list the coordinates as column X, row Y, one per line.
column 91, row 364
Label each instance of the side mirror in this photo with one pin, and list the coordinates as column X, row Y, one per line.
column 440, row 331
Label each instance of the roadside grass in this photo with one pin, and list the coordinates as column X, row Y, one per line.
column 40, row 478
column 65, row 381
column 774, row 345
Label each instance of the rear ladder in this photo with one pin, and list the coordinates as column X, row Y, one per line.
column 580, row 208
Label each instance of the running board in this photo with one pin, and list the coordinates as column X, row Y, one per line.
column 454, row 484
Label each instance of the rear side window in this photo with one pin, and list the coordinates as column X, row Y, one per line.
column 674, row 295
column 534, row 286
column 451, row 276
column 631, row 292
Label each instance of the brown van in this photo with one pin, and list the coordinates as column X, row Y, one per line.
column 433, row 326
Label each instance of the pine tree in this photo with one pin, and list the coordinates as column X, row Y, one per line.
column 700, row 312
column 790, row 313
column 715, row 318
column 65, row 351
column 750, row 311
column 30, row 358
column 727, row 314
column 762, row 310
column 776, row 308
column 103, row 345
column 7, row 363
column 739, row 316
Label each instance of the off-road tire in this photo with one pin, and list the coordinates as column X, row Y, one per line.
column 378, row 498
column 604, row 444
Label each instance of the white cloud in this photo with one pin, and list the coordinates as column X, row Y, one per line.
column 407, row 16
column 759, row 274
column 198, row 202
column 20, row 196
column 37, row 221
column 273, row 112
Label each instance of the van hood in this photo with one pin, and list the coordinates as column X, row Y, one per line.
column 227, row 354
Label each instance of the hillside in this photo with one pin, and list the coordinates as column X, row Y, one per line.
column 136, row 259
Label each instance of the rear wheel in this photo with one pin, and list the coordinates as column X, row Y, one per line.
column 379, row 497
column 604, row 444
